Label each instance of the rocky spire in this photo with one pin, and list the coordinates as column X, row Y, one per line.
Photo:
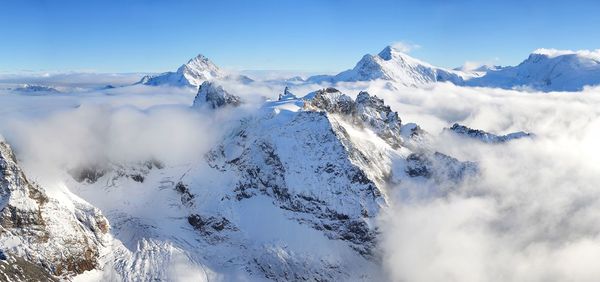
column 214, row 96
column 287, row 95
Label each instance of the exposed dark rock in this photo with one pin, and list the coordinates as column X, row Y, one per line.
column 286, row 95
column 210, row 224
column 87, row 174
column 19, row 269
column 366, row 110
column 485, row 137
column 214, row 96
column 333, row 101
column 186, row 196
column 137, row 178
column 27, row 213
column 439, row 167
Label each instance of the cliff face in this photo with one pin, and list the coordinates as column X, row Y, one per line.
column 40, row 234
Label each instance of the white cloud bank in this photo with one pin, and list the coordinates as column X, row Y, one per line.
column 592, row 54
column 532, row 215
column 405, row 47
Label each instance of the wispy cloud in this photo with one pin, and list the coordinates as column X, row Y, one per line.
column 405, row 47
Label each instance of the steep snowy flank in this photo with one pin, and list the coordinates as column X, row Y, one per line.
column 483, row 136
column 40, row 238
column 290, row 192
column 327, row 159
column 547, row 70
column 393, row 65
column 214, row 96
column 192, row 74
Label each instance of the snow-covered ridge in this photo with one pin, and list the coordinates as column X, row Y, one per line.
column 28, row 88
column 544, row 70
column 483, row 136
column 591, row 54
column 547, row 70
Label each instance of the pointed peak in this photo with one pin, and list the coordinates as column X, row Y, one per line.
column 199, row 61
column 199, row 57
column 390, row 52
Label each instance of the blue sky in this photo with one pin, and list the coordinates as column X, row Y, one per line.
column 316, row 36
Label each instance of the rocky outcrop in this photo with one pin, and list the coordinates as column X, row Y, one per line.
column 93, row 172
column 287, row 95
column 439, row 167
column 38, row 230
column 366, row 110
column 214, row 96
column 305, row 168
column 483, row 136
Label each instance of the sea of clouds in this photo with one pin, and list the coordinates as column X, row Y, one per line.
column 533, row 213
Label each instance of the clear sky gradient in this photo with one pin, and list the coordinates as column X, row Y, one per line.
column 312, row 35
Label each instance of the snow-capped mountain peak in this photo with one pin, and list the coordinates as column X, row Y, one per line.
column 200, row 69
column 393, row 65
column 547, row 70
column 192, row 74
column 390, row 53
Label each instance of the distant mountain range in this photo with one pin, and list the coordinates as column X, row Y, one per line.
column 543, row 70
column 547, row 70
